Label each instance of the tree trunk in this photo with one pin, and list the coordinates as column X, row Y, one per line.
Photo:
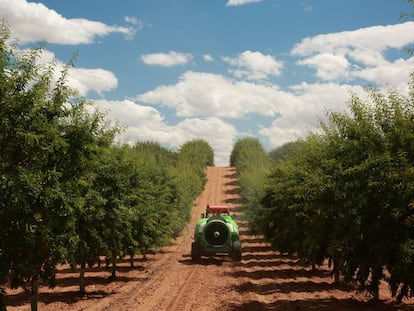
column 2, row 300
column 82, row 278
column 144, row 254
column 131, row 260
column 336, row 271
column 35, row 292
column 113, row 259
column 376, row 276
column 403, row 293
column 336, row 276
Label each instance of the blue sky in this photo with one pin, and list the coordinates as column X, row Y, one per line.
column 175, row 70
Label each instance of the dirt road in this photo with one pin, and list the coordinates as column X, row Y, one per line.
column 263, row 280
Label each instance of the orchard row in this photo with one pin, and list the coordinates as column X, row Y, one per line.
column 68, row 192
column 345, row 194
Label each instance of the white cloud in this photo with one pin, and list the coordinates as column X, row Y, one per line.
column 219, row 134
column 240, row 2
column 140, row 122
column 143, row 123
column 328, row 66
column 82, row 79
column 376, row 38
column 254, row 65
column 388, row 74
column 297, row 112
column 133, row 20
column 169, row 59
column 31, row 22
column 208, row 58
column 304, row 115
column 97, row 80
column 206, row 94
column 366, row 57
column 137, row 26
column 358, row 54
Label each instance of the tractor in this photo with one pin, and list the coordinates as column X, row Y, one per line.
column 216, row 233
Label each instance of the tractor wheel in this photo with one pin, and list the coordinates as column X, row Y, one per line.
column 195, row 251
column 236, row 252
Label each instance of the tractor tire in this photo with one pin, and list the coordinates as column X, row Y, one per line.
column 236, row 251
column 195, row 251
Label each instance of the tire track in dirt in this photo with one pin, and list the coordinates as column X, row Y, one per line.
column 181, row 294
column 176, row 282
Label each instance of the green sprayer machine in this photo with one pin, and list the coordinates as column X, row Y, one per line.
column 216, row 233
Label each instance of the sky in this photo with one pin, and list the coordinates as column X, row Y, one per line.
column 170, row 71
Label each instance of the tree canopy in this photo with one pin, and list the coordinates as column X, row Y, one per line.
column 68, row 192
column 347, row 194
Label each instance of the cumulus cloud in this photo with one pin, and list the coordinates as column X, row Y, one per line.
column 296, row 111
column 358, row 54
column 254, row 65
column 31, row 22
column 140, row 122
column 169, row 59
column 341, row 61
column 206, row 94
column 388, row 74
column 377, row 38
column 328, row 66
column 219, row 134
column 240, row 2
column 82, row 79
column 304, row 115
column 144, row 123
column 97, row 80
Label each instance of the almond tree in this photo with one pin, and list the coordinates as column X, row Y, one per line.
column 45, row 144
column 347, row 194
column 253, row 165
column 90, row 131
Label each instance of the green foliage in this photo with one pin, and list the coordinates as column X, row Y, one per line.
column 283, row 151
column 253, row 165
column 197, row 152
column 243, row 151
column 192, row 159
column 347, row 194
column 68, row 194
column 48, row 142
column 34, row 212
column 151, row 194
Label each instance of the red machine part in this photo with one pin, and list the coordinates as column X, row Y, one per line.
column 217, row 208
